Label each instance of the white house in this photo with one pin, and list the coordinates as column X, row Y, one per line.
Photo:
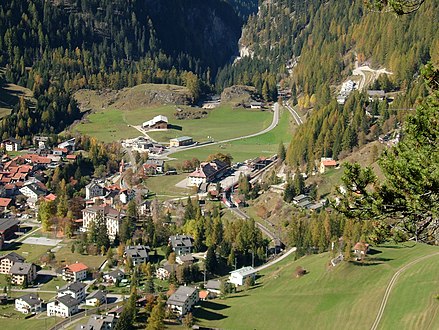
column 32, row 190
column 164, row 272
column 158, row 122
column 64, row 306
column 75, row 290
column 12, row 144
column 113, row 276
column 181, row 244
column 96, row 298
column 182, row 300
column 239, row 276
column 75, row 272
column 29, row 304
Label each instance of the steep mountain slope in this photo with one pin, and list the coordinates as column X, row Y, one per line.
column 57, row 47
column 312, row 46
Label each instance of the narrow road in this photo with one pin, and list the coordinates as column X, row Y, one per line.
column 244, row 216
column 275, row 261
column 293, row 112
column 390, row 287
column 273, row 124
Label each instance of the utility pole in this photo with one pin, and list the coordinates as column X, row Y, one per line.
column 235, row 262
column 253, row 258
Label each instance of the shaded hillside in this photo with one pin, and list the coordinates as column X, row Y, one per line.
column 57, row 47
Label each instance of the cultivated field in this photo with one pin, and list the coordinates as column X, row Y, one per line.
column 345, row 297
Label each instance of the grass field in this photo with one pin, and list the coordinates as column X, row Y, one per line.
column 263, row 145
column 113, row 114
column 29, row 251
column 222, row 123
column 164, row 186
column 345, row 297
column 65, row 256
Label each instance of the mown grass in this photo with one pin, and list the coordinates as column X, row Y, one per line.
column 263, row 145
column 346, row 297
column 31, row 252
column 65, row 256
column 112, row 115
column 221, row 123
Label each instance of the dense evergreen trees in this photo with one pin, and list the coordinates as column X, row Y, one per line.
column 55, row 48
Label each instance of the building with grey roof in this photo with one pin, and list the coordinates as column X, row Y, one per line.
column 29, row 304
column 181, row 244
column 63, row 306
column 99, row 322
column 23, row 272
column 183, row 300
column 96, row 298
column 75, row 290
column 137, row 253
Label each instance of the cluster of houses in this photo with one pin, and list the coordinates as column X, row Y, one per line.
column 20, row 271
column 207, row 172
column 346, row 89
column 24, row 175
column 142, row 144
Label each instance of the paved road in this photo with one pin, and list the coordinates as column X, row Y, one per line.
column 295, row 115
column 275, row 261
column 390, row 287
column 273, row 124
column 360, row 71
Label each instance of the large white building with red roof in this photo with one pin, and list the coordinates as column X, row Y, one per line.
column 75, row 272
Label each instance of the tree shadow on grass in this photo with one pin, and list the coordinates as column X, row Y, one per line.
column 214, row 305
column 370, row 262
column 373, row 252
column 201, row 313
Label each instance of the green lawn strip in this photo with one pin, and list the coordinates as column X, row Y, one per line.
column 65, row 256
column 263, row 145
column 12, row 319
column 164, row 186
column 413, row 302
column 31, row 252
column 53, row 285
column 347, row 295
column 222, row 123
column 106, row 125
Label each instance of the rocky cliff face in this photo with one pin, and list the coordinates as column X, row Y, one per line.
column 206, row 29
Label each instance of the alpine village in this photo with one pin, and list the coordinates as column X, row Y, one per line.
column 219, row 164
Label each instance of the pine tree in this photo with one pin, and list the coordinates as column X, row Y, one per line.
column 281, row 153
column 211, row 262
column 156, row 319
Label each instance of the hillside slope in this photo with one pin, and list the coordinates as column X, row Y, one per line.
column 345, row 297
